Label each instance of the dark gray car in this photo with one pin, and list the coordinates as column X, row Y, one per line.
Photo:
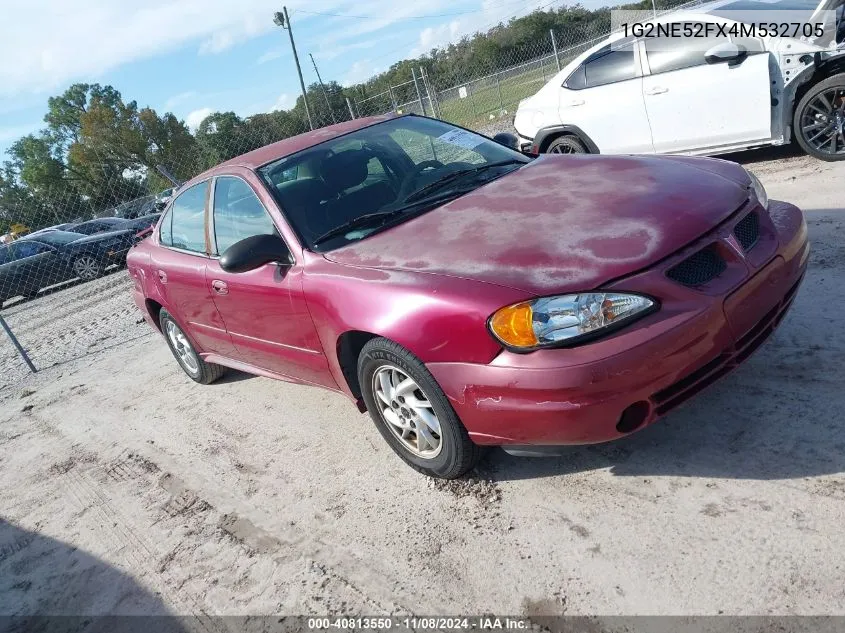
column 26, row 266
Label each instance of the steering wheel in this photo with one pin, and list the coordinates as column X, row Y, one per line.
column 411, row 178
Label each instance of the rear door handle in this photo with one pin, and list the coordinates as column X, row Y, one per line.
column 162, row 276
column 657, row 90
column 220, row 287
column 576, row 102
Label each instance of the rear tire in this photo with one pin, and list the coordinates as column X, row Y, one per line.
column 819, row 132
column 412, row 413
column 566, row 144
column 183, row 351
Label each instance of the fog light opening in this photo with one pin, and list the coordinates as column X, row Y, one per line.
column 633, row 417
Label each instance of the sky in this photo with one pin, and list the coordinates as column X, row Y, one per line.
column 193, row 57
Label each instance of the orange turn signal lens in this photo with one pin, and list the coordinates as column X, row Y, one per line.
column 512, row 325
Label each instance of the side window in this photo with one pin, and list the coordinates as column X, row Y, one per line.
column 238, row 213
column 578, row 79
column 20, row 250
column 610, row 65
column 5, row 255
column 187, row 219
column 666, row 54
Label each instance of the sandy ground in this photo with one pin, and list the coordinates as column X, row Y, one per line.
column 127, row 488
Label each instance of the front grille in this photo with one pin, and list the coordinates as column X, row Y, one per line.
column 747, row 231
column 699, row 268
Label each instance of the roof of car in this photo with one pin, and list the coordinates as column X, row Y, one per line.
column 263, row 155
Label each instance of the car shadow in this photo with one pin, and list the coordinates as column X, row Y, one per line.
column 232, row 376
column 775, row 152
column 41, row 576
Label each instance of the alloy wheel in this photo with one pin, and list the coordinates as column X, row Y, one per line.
column 407, row 412
column 86, row 267
column 563, row 149
column 823, row 122
column 184, row 351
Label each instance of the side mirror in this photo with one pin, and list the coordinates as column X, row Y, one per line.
column 726, row 52
column 255, row 251
column 507, row 139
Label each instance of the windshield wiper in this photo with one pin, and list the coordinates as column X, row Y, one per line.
column 378, row 218
column 456, row 175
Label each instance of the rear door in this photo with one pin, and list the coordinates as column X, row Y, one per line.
column 179, row 271
column 603, row 97
column 696, row 106
column 264, row 309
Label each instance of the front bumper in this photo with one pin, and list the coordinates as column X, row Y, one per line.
column 604, row 390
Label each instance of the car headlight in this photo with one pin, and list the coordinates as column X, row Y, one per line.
column 759, row 190
column 566, row 319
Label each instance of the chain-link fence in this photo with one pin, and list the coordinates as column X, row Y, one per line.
column 64, row 290
column 486, row 99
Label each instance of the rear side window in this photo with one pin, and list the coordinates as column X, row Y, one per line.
column 5, row 255
column 610, row 65
column 187, row 220
column 165, row 234
column 238, row 213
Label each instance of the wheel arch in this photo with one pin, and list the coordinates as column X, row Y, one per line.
column 154, row 309
column 809, row 77
column 348, row 348
column 547, row 134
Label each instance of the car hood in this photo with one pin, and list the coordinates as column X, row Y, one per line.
column 562, row 223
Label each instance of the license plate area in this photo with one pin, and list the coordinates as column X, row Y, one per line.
column 756, row 298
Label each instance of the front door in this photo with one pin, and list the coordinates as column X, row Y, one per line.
column 264, row 309
column 696, row 106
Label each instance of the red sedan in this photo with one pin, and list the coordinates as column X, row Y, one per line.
column 466, row 294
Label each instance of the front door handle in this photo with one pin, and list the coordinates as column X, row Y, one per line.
column 577, row 102
column 657, row 90
column 220, row 287
column 162, row 276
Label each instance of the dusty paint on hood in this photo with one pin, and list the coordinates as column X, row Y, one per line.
column 562, row 223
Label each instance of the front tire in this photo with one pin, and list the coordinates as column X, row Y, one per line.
column 566, row 144
column 819, row 120
column 183, row 351
column 87, row 267
column 412, row 413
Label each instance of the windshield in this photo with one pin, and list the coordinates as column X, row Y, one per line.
column 380, row 175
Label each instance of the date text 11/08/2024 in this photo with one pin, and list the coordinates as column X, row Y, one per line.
column 480, row 623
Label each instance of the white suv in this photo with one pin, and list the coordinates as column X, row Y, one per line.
column 678, row 95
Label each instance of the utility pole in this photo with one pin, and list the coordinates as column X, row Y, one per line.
column 282, row 19
column 325, row 94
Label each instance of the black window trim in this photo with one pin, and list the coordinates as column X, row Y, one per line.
column 639, row 68
column 210, row 223
column 168, row 214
